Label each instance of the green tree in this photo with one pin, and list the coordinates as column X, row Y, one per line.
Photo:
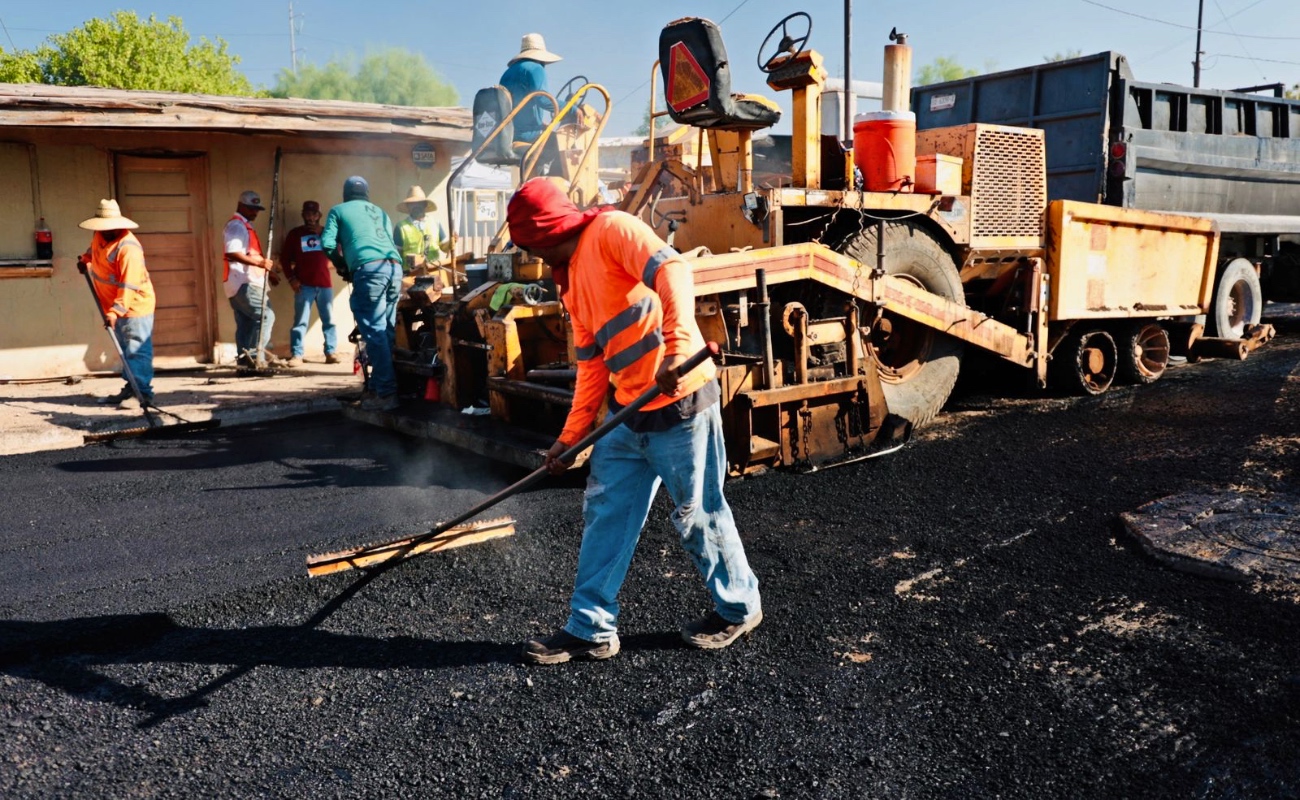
column 394, row 75
column 661, row 123
column 1062, row 56
column 942, row 70
column 126, row 52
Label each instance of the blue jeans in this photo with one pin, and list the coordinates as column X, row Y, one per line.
column 626, row 471
column 376, row 286
column 135, row 334
column 303, row 299
column 247, row 305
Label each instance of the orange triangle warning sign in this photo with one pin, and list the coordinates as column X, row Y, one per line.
column 688, row 86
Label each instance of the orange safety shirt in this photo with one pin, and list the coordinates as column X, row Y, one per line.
column 254, row 246
column 121, row 281
column 631, row 299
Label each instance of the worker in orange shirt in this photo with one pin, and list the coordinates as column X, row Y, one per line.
column 115, row 264
column 632, row 304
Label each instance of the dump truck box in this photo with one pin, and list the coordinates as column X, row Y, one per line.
column 1112, row 139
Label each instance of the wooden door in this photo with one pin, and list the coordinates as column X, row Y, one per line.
column 168, row 198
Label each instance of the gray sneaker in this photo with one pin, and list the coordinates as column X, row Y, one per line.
column 563, row 646
column 386, row 402
column 715, row 632
column 129, row 403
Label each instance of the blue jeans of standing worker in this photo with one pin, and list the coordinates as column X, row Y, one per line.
column 135, row 334
column 303, row 299
column 376, row 286
column 626, row 470
column 247, row 305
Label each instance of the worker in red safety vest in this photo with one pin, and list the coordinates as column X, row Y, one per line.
column 115, row 264
column 631, row 300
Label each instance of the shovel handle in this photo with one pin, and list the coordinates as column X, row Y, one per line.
column 705, row 353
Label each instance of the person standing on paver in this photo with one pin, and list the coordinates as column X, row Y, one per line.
column 247, row 272
column 308, row 270
column 525, row 74
column 115, row 264
column 632, row 304
column 358, row 238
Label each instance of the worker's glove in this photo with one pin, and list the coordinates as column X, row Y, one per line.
column 111, row 319
column 81, row 264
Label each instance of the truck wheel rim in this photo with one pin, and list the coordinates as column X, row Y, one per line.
column 899, row 345
column 1095, row 362
column 1241, row 307
column 1152, row 351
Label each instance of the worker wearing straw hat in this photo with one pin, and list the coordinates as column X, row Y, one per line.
column 115, row 266
column 421, row 240
column 525, row 74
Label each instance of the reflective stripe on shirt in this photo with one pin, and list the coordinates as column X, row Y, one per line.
column 656, row 261
column 631, row 354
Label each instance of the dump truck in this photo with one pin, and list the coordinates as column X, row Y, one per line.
column 842, row 309
column 1229, row 156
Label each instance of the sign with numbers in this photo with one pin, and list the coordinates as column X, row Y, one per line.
column 485, row 206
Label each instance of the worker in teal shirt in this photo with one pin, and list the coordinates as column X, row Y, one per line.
column 358, row 238
column 526, row 74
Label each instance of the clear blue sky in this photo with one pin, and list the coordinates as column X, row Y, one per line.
column 613, row 42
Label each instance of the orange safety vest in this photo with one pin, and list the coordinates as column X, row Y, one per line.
column 619, row 325
column 121, row 280
column 254, row 245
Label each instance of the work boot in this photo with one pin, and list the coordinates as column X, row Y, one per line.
column 387, row 402
column 114, row 399
column 714, row 632
column 130, row 403
column 294, row 361
column 563, row 646
column 333, row 358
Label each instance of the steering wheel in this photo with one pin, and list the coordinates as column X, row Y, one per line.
column 567, row 91
column 788, row 46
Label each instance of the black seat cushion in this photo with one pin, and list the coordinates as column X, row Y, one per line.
column 491, row 105
column 697, row 80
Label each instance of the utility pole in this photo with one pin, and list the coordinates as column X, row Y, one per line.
column 848, row 70
column 293, row 47
column 1196, row 65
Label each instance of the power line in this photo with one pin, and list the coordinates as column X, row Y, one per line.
column 7, row 36
column 1242, row 44
column 1187, row 27
column 1253, row 58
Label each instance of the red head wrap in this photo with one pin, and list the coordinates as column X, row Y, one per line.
column 541, row 215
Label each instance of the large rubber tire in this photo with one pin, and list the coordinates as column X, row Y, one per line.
column 918, row 365
column 1238, row 300
column 1143, row 351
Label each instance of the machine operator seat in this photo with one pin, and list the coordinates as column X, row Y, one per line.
column 697, row 81
column 491, row 105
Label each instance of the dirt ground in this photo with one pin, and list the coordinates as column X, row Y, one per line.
column 965, row 618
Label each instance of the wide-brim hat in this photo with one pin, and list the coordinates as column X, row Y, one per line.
column 533, row 46
column 415, row 195
column 107, row 218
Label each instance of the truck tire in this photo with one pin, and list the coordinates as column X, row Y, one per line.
column 1238, row 300
column 918, row 365
column 1085, row 362
column 1143, row 352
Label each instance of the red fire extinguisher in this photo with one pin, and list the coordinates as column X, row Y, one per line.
column 44, row 241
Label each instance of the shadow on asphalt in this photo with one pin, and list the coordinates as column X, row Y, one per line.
column 311, row 451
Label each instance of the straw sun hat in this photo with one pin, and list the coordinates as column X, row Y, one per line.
column 534, row 46
column 107, row 218
column 416, row 195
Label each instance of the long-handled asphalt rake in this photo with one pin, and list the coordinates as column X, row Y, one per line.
column 454, row 533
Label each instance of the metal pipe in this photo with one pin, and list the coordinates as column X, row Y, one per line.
column 765, row 329
column 847, row 111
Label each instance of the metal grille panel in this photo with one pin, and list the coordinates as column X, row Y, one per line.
column 1008, row 183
